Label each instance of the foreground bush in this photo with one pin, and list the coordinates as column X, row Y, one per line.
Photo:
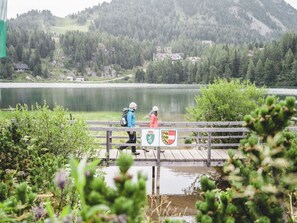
column 35, row 143
column 263, row 181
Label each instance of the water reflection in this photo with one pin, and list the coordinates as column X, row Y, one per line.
column 173, row 180
column 179, row 190
column 171, row 101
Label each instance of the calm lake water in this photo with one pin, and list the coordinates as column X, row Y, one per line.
column 171, row 99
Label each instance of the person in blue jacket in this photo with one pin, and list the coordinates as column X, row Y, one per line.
column 131, row 124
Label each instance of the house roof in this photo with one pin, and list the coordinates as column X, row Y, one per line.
column 21, row 66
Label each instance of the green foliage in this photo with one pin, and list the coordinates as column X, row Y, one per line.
column 269, row 119
column 171, row 20
column 215, row 207
column 35, row 143
column 173, row 221
column 19, row 200
column 103, row 50
column 225, row 101
column 97, row 202
column 124, row 162
column 261, row 181
column 101, row 203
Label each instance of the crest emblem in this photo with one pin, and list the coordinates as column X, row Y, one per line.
column 168, row 136
column 150, row 137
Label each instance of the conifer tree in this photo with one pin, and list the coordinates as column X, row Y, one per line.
column 260, row 180
column 102, row 203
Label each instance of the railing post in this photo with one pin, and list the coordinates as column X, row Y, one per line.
column 209, row 149
column 108, row 144
column 110, row 136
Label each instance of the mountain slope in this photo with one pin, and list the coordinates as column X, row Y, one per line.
column 216, row 20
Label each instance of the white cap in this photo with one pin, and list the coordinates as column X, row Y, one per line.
column 155, row 108
column 132, row 105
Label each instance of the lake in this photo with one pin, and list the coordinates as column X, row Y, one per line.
column 172, row 100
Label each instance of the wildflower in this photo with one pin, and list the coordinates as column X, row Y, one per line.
column 88, row 173
column 60, row 179
column 67, row 219
column 39, row 212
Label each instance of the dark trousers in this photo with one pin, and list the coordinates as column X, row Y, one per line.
column 132, row 139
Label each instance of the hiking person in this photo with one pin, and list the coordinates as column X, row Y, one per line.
column 153, row 115
column 131, row 124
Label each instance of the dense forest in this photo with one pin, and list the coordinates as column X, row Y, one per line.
column 132, row 35
column 163, row 21
column 274, row 64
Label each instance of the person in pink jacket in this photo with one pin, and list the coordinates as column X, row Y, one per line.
column 154, row 117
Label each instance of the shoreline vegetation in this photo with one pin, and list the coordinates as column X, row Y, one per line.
column 99, row 116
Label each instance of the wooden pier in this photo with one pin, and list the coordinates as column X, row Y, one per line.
column 198, row 153
column 170, row 157
column 210, row 144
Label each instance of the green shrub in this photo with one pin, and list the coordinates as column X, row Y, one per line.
column 37, row 142
column 16, row 201
column 262, row 181
column 101, row 203
column 225, row 101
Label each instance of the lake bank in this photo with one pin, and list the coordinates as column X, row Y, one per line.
column 95, row 85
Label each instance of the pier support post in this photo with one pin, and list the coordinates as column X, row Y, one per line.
column 158, row 171
column 153, row 179
column 198, row 139
column 209, row 149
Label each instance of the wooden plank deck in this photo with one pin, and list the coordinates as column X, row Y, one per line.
column 170, row 157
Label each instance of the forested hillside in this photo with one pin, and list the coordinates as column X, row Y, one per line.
column 163, row 41
column 227, row 21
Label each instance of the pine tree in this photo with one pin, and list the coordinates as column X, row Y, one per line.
column 250, row 75
column 261, row 181
column 101, row 203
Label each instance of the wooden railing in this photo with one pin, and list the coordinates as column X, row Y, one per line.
column 199, row 132
column 204, row 135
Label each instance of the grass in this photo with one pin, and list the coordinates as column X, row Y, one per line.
column 99, row 116
column 161, row 207
column 67, row 24
column 4, row 115
column 106, row 116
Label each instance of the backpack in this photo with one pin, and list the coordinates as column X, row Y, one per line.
column 123, row 120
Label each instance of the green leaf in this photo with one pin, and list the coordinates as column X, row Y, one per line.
column 98, row 208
